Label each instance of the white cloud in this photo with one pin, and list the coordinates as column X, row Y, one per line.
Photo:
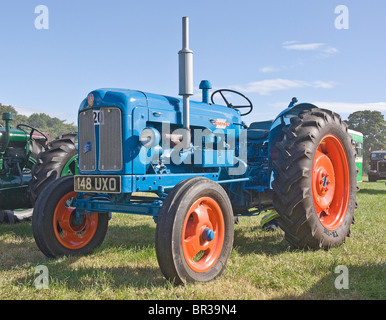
column 330, row 50
column 290, row 42
column 25, row 111
column 323, row 84
column 269, row 69
column 265, row 87
column 325, row 50
column 292, row 45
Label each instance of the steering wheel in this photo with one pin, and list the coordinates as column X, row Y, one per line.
column 230, row 105
column 44, row 138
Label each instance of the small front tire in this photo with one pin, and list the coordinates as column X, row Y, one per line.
column 194, row 234
column 56, row 228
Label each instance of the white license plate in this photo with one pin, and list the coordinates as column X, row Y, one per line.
column 98, row 184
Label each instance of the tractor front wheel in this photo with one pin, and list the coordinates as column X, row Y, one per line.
column 194, row 234
column 58, row 229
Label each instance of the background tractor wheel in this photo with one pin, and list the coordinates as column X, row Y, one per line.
column 35, row 148
column 58, row 159
column 194, row 234
column 12, row 217
column 315, row 180
column 8, row 217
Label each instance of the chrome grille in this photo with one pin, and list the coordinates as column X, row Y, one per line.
column 110, row 140
column 87, row 145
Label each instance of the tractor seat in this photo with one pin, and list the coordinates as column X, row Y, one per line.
column 259, row 130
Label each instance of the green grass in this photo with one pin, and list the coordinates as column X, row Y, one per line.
column 261, row 266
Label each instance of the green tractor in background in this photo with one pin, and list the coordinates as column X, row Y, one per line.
column 28, row 163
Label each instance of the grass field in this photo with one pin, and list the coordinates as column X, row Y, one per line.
column 261, row 266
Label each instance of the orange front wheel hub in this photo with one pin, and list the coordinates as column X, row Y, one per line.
column 72, row 231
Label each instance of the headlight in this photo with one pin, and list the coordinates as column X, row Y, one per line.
column 150, row 137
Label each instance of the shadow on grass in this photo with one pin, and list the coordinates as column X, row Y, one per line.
column 128, row 240
column 17, row 246
column 97, row 278
column 373, row 191
column 364, row 282
column 138, row 236
column 134, row 243
column 257, row 241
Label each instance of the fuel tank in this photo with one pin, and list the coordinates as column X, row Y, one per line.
column 17, row 137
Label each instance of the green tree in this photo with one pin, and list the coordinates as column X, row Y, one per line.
column 373, row 126
column 52, row 125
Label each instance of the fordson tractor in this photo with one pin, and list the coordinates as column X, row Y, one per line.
column 28, row 162
column 205, row 167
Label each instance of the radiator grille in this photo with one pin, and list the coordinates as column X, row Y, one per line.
column 382, row 166
column 110, row 140
column 87, row 145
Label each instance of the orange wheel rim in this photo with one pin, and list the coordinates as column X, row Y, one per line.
column 203, row 234
column 331, row 182
column 70, row 232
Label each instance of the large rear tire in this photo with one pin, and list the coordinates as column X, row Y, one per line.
column 58, row 159
column 194, row 234
column 315, row 180
column 56, row 228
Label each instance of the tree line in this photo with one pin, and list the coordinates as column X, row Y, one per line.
column 52, row 125
column 373, row 127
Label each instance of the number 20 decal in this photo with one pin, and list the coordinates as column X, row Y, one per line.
column 98, row 117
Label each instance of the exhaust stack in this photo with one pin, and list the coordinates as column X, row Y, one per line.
column 185, row 57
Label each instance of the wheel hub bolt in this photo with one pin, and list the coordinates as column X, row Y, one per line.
column 208, row 234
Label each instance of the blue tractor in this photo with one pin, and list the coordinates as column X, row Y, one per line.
column 203, row 167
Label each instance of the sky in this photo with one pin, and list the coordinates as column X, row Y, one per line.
column 270, row 51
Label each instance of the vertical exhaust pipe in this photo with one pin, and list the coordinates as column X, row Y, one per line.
column 185, row 58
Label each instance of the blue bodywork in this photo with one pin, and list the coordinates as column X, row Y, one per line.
column 237, row 157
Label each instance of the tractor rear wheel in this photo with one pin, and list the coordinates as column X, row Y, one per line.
column 58, row 230
column 35, row 148
column 315, row 180
column 194, row 234
column 58, row 159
